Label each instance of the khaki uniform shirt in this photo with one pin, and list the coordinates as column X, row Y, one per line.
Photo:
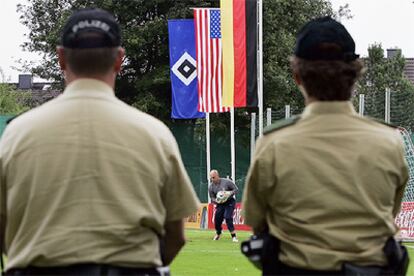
column 88, row 179
column 328, row 186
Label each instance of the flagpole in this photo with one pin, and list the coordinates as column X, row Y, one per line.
column 232, row 144
column 260, row 67
column 208, row 152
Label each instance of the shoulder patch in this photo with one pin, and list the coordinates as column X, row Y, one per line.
column 281, row 124
column 383, row 122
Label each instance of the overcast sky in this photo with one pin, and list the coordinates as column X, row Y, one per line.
column 389, row 22
column 12, row 36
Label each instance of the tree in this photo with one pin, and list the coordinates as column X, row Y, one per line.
column 144, row 81
column 282, row 20
column 387, row 73
column 2, row 75
column 12, row 101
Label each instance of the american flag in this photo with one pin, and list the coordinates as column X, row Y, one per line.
column 209, row 60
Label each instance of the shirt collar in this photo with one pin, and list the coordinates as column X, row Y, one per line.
column 329, row 107
column 89, row 87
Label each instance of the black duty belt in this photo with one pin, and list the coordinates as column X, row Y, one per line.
column 84, row 269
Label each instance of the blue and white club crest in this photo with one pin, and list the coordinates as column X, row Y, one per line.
column 185, row 69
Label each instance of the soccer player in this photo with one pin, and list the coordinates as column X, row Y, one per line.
column 90, row 185
column 224, row 210
column 328, row 183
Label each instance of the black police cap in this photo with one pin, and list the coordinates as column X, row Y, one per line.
column 325, row 39
column 91, row 28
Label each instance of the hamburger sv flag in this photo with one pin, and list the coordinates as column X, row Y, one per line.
column 183, row 71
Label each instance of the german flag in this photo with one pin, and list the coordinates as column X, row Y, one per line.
column 239, row 38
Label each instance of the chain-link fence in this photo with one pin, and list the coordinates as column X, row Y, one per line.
column 391, row 107
column 405, row 218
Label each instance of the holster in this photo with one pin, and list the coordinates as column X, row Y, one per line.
column 262, row 250
column 397, row 257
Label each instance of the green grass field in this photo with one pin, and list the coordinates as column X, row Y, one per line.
column 203, row 256
column 410, row 247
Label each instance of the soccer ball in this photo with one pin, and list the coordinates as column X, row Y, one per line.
column 222, row 196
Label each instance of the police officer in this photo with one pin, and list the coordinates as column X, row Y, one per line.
column 90, row 185
column 224, row 210
column 328, row 183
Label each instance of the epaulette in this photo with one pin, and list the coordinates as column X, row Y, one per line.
column 383, row 122
column 281, row 124
column 8, row 121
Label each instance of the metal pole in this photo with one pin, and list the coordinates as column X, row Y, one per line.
column 287, row 111
column 387, row 105
column 208, row 152
column 252, row 134
column 268, row 116
column 232, row 144
column 361, row 104
column 260, row 67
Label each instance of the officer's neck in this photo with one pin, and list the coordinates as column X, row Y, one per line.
column 309, row 100
column 108, row 78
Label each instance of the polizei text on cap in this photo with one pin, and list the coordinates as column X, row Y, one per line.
column 90, row 24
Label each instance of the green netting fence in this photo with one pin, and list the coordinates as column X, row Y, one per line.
column 190, row 137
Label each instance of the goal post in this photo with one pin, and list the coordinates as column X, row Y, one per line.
column 405, row 218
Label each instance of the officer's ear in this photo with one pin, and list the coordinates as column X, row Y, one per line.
column 299, row 83
column 119, row 59
column 297, row 79
column 61, row 57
